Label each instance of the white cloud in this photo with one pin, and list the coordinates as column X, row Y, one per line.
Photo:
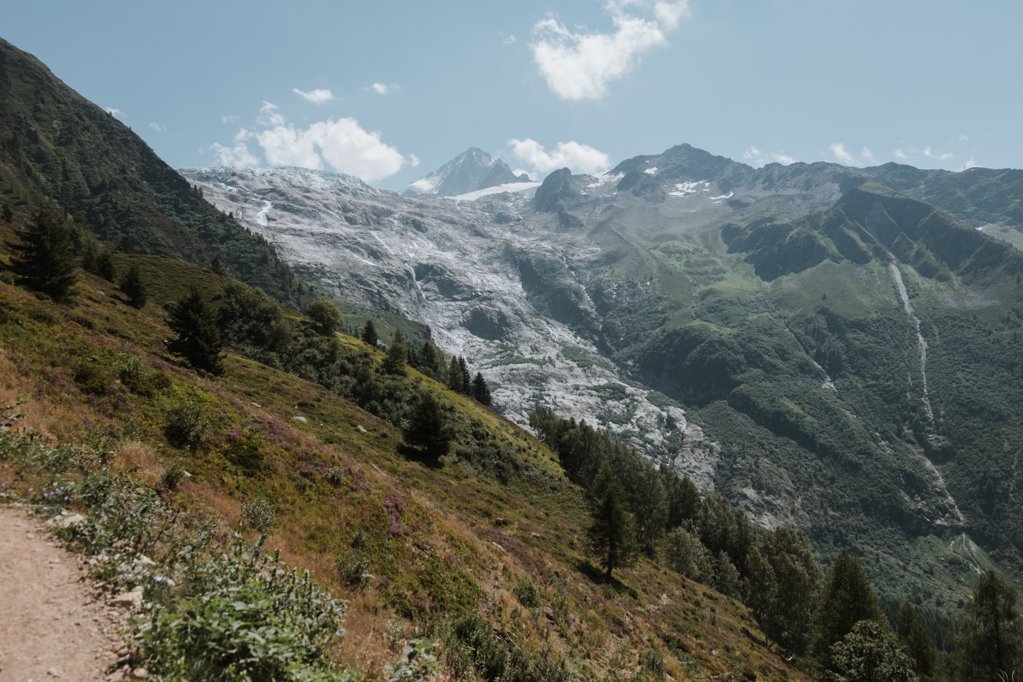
column 238, row 154
column 117, row 113
column 508, row 39
column 318, row 96
column 229, row 118
column 900, row 154
column 867, row 155
column 341, row 145
column 579, row 65
column 383, row 88
column 158, row 127
column 413, row 160
column 841, row 155
column 937, row 156
column 757, row 157
column 970, row 163
column 580, row 158
column 269, row 115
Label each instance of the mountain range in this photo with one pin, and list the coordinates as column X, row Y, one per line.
column 827, row 346
column 470, row 171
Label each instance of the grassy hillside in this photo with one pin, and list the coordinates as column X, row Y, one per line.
column 417, row 549
column 59, row 149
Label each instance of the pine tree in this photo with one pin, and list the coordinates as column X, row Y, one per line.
column 133, row 287
column 326, row 317
column 369, row 334
column 198, row 337
column 429, row 360
column 916, row 640
column 726, row 576
column 454, row 378
column 847, row 599
column 45, row 259
column 427, row 428
column 991, row 642
column 105, row 265
column 480, row 390
column 397, row 355
column 464, row 378
column 612, row 532
column 783, row 582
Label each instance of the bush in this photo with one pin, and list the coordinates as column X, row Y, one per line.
column 353, row 570
column 92, row 380
column 335, row 476
column 527, row 594
column 246, row 618
column 259, row 515
column 172, row 477
column 187, row 425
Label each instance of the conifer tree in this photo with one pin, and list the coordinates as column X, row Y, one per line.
column 217, row 266
column 198, row 337
column 45, row 259
column 369, row 334
column 429, row 360
column 783, row 583
column 991, row 642
column 427, row 428
column 397, row 355
column 847, row 599
column 105, row 265
column 612, row 532
column 464, row 378
column 454, row 377
column 480, row 390
column 916, row 640
column 133, row 287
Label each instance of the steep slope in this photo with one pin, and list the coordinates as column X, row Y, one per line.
column 826, row 327
column 57, row 148
column 414, row 547
column 472, row 170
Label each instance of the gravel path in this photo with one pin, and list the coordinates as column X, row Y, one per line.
column 51, row 624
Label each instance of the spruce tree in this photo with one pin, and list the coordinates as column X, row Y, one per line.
column 429, row 360
column 464, row 378
column 612, row 532
column 369, row 334
column 427, row 428
column 454, row 378
column 198, row 337
column 105, row 265
column 480, row 390
column 133, row 287
column 783, row 583
column 44, row 259
column 916, row 640
column 847, row 599
column 991, row 641
column 397, row 355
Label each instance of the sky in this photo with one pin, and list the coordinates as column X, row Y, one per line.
column 390, row 90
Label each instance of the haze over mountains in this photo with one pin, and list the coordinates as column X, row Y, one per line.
column 747, row 326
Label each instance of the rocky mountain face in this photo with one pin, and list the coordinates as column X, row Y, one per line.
column 831, row 347
column 470, row 171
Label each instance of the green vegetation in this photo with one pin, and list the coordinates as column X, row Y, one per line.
column 198, row 338
column 44, row 257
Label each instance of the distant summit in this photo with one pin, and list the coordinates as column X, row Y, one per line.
column 472, row 170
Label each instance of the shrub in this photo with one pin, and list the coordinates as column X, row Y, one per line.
column 92, row 380
column 335, row 476
column 353, row 570
column 187, row 425
column 259, row 515
column 172, row 477
column 527, row 594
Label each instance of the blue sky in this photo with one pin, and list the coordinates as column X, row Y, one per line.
column 544, row 83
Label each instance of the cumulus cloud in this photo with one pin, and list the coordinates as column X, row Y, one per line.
column 158, row 127
column 114, row 111
column 578, row 65
column 318, row 96
column 900, row 154
column 580, row 158
column 757, row 157
column 848, row 158
column 340, row 144
column 238, row 154
column 413, row 160
column 383, row 88
column 229, row 118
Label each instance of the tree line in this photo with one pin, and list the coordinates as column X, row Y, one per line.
column 831, row 618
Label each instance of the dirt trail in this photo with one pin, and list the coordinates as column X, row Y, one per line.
column 51, row 625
